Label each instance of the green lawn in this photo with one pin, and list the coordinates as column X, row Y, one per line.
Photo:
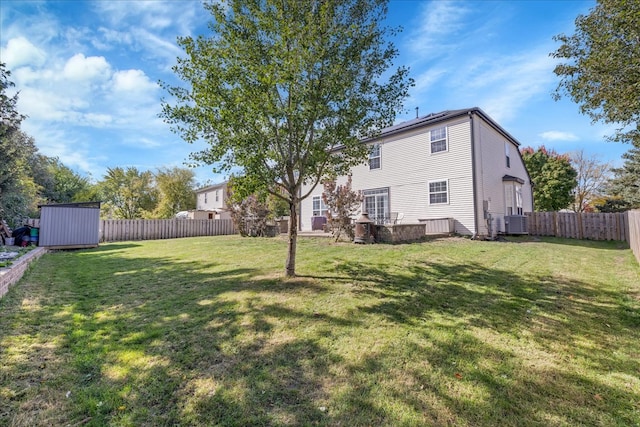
column 205, row 331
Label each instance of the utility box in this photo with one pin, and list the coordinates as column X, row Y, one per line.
column 70, row 225
column 515, row 224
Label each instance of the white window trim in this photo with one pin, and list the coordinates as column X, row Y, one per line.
column 513, row 199
column 323, row 207
column 446, row 140
column 379, row 156
column 446, row 181
column 507, row 153
column 382, row 217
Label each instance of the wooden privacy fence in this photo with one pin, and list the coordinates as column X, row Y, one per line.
column 588, row 226
column 118, row 230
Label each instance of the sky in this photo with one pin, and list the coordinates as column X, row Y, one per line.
column 88, row 74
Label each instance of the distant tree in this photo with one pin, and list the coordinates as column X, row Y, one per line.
column 15, row 148
column 625, row 185
column 176, row 192
column 602, row 68
column 592, row 176
column 69, row 185
column 18, row 190
column 611, row 204
column 553, row 178
column 129, row 193
column 282, row 84
column 341, row 202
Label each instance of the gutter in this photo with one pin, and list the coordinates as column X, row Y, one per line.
column 473, row 175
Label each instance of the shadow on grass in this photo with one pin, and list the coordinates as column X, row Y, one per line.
column 468, row 303
column 99, row 338
column 585, row 243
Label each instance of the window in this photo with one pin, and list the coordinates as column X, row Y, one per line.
column 438, row 140
column 513, row 198
column 519, row 210
column 374, row 157
column 438, row 192
column 319, row 207
column 376, row 204
column 508, row 198
column 507, row 154
column 205, row 198
column 217, row 196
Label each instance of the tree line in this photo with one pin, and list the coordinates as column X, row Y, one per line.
column 578, row 182
column 28, row 178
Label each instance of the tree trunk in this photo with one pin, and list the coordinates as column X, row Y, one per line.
column 290, row 267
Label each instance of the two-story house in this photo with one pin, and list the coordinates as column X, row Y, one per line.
column 211, row 202
column 457, row 164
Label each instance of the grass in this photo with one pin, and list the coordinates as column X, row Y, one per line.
column 205, row 331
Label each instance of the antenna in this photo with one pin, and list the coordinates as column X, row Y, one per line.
column 417, row 112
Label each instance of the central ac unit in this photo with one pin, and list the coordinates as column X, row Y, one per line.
column 515, row 224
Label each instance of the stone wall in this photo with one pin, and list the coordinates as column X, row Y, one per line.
column 13, row 273
column 400, row 233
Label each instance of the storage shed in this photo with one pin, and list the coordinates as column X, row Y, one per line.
column 70, row 225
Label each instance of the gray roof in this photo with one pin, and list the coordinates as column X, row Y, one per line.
column 434, row 118
column 211, row 187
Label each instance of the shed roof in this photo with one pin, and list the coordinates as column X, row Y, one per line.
column 94, row 205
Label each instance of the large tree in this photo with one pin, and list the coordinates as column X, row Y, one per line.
column 129, row 193
column 601, row 65
column 175, row 191
column 592, row 177
column 69, row 186
column 283, row 91
column 553, row 178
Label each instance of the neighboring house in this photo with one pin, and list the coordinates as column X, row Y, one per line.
column 211, row 203
column 457, row 164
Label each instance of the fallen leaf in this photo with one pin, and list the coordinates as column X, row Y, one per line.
column 458, row 376
column 597, row 397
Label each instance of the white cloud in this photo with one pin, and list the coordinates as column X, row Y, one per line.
column 20, row 51
column 81, row 68
column 438, row 22
column 40, row 103
column 133, row 81
column 97, row 120
column 55, row 142
column 555, row 135
column 508, row 83
column 153, row 15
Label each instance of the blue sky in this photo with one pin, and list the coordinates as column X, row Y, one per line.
column 88, row 73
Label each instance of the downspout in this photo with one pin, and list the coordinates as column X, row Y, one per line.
column 473, row 177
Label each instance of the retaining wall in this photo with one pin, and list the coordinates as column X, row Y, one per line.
column 10, row 275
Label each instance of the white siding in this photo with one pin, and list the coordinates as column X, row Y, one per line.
column 206, row 198
column 491, row 167
column 406, row 168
